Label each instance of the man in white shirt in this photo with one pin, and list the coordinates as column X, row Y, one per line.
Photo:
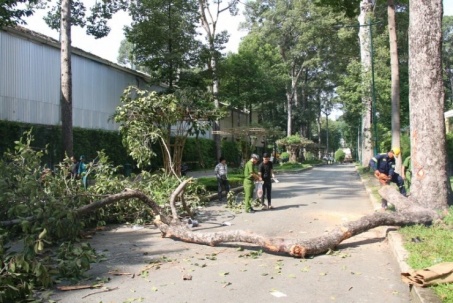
column 221, row 172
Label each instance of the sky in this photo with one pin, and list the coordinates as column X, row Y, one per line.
column 108, row 47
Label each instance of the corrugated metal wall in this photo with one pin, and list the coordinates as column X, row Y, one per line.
column 30, row 85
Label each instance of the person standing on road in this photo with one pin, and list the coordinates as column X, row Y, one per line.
column 384, row 169
column 221, row 172
column 266, row 173
column 250, row 176
column 406, row 171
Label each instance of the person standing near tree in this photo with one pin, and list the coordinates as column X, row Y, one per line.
column 266, row 173
column 250, row 176
column 221, row 172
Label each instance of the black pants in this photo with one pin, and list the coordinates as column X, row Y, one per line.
column 267, row 190
column 222, row 183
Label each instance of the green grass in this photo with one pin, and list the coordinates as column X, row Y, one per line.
column 436, row 247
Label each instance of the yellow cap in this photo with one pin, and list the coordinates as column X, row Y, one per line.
column 396, row 151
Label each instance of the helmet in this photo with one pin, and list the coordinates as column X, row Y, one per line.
column 255, row 156
column 396, row 151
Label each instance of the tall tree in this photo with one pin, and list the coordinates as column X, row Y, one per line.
column 163, row 36
column 209, row 15
column 66, row 77
column 396, row 125
column 61, row 17
column 293, row 28
column 366, row 9
column 430, row 184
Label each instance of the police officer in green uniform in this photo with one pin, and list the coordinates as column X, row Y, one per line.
column 250, row 175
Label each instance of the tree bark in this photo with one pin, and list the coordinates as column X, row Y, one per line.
column 126, row 194
column 426, row 96
column 66, row 77
column 365, row 55
column 395, row 74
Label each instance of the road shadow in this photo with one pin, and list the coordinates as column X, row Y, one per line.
column 358, row 243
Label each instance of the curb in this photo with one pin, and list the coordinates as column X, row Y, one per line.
column 395, row 241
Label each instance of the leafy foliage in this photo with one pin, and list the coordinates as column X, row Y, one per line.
column 95, row 21
column 46, row 137
column 293, row 144
column 340, row 155
column 38, row 208
column 163, row 37
column 148, row 117
column 10, row 14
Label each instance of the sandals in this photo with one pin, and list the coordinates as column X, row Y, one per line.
column 270, row 207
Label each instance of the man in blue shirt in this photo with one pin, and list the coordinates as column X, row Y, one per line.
column 384, row 169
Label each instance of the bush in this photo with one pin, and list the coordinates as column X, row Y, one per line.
column 48, row 137
column 339, row 155
column 284, row 157
column 201, row 152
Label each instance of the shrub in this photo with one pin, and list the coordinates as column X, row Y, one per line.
column 339, row 155
column 284, row 157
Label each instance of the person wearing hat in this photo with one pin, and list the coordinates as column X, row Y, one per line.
column 266, row 172
column 384, row 169
column 250, row 176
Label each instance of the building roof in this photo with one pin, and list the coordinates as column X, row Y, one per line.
column 43, row 39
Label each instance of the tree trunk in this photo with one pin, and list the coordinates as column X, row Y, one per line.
column 365, row 57
column 407, row 213
column 426, row 96
column 208, row 21
column 215, row 92
column 66, row 77
column 396, row 129
column 289, row 112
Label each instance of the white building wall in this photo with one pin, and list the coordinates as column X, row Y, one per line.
column 28, row 73
column 30, row 83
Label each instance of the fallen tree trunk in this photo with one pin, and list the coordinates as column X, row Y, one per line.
column 406, row 213
column 124, row 195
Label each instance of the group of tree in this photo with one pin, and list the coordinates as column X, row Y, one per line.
column 299, row 60
column 285, row 70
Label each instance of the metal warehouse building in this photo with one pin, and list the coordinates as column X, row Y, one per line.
column 30, row 82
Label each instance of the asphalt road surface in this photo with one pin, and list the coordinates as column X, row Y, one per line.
column 141, row 266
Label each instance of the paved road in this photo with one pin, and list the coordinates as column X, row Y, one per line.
column 307, row 205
